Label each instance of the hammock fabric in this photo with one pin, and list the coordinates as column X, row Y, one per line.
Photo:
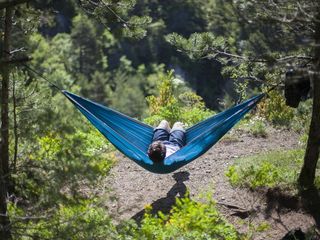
column 132, row 137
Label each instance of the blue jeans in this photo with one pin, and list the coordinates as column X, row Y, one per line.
column 176, row 137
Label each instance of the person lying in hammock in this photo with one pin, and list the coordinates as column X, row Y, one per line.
column 166, row 141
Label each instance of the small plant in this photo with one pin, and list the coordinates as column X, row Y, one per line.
column 253, row 229
column 275, row 110
column 259, row 129
column 255, row 126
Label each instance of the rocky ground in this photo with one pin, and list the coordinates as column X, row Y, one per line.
column 133, row 187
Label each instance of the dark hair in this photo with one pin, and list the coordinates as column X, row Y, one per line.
column 157, row 151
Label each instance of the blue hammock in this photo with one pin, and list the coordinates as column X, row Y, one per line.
column 132, row 137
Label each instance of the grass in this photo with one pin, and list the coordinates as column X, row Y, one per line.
column 276, row 168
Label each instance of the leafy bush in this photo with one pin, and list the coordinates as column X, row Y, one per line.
column 60, row 179
column 275, row 110
column 254, row 125
column 259, row 129
column 59, row 166
column 84, row 220
column 279, row 168
column 188, row 219
column 188, row 107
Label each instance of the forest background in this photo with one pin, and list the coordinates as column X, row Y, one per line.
column 179, row 60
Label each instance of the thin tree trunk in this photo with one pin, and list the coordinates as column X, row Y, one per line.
column 308, row 171
column 15, row 126
column 4, row 156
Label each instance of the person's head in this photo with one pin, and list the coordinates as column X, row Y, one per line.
column 157, row 151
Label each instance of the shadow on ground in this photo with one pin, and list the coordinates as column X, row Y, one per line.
column 165, row 204
column 307, row 200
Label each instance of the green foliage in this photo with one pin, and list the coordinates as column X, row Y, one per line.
column 86, row 46
column 254, row 125
column 62, row 165
column 53, row 58
column 130, row 88
column 136, row 27
column 165, row 106
column 317, row 182
column 275, row 110
column 60, row 178
column 187, row 107
column 233, row 175
column 86, row 220
column 198, row 45
column 188, row 219
column 61, row 161
column 254, row 229
column 259, row 129
column 302, row 117
column 194, row 109
column 267, row 170
column 117, row 14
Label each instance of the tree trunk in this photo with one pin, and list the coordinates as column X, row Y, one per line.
column 15, row 127
column 308, row 171
column 4, row 156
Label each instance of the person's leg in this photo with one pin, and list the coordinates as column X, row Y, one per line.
column 161, row 132
column 178, row 126
column 177, row 134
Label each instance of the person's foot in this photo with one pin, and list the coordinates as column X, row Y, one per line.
column 178, row 126
column 164, row 125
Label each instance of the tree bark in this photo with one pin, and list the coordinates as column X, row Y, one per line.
column 15, row 126
column 4, row 156
column 308, row 171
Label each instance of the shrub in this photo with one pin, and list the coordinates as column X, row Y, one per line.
column 60, row 182
column 275, row 110
column 84, row 220
column 187, row 107
column 254, row 125
column 188, row 219
column 279, row 168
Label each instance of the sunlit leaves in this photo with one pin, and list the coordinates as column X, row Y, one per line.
column 188, row 219
column 186, row 107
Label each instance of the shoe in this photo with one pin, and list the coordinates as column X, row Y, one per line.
column 178, row 126
column 164, row 125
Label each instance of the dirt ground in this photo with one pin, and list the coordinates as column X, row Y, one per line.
column 133, row 188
